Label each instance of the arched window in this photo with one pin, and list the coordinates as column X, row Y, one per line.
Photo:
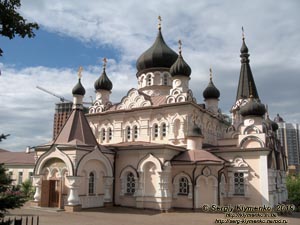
column 130, row 184
column 109, row 133
column 91, row 183
column 128, row 133
column 163, row 130
column 135, row 132
column 155, row 130
column 165, row 79
column 183, row 186
column 103, row 134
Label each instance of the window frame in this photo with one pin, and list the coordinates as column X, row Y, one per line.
column 91, row 183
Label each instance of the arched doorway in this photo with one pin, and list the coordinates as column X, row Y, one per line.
column 206, row 191
column 53, row 183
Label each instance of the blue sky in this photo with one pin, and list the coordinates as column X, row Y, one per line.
column 73, row 33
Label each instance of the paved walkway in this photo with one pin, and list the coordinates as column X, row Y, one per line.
column 129, row 216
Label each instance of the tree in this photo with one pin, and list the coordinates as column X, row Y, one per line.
column 12, row 23
column 293, row 186
column 9, row 198
column 27, row 189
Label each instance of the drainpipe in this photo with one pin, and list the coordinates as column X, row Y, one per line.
column 193, row 185
column 114, row 180
column 219, row 177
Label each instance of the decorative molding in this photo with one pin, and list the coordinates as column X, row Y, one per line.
column 133, row 100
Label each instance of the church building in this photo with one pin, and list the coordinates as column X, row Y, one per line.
column 159, row 148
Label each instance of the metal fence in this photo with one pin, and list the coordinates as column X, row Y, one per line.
column 20, row 220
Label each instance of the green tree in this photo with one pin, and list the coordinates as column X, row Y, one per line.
column 27, row 189
column 9, row 198
column 293, row 186
column 12, row 23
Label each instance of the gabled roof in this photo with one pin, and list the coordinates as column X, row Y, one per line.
column 194, row 156
column 76, row 131
column 17, row 158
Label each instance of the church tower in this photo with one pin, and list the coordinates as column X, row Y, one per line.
column 211, row 96
column 180, row 72
column 103, row 87
column 153, row 67
column 246, row 86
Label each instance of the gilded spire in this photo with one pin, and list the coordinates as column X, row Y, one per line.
column 80, row 69
column 159, row 22
column 180, row 46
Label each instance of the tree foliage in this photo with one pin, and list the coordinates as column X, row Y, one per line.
column 293, row 186
column 9, row 197
column 12, row 23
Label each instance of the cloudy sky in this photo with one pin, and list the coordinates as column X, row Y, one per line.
column 77, row 33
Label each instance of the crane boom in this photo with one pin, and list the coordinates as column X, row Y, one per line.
column 62, row 99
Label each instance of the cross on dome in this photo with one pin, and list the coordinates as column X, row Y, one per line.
column 80, row 69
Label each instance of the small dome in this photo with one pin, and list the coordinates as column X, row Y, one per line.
column 195, row 131
column 211, row 91
column 78, row 89
column 244, row 48
column 273, row 124
column 103, row 82
column 253, row 108
column 180, row 67
column 158, row 55
column 278, row 119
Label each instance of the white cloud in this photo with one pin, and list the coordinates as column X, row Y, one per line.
column 211, row 34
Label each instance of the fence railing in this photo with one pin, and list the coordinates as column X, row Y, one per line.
column 20, row 220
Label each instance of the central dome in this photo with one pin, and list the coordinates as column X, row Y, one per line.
column 159, row 55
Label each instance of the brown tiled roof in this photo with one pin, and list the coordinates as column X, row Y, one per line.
column 76, row 131
column 194, row 156
column 17, row 158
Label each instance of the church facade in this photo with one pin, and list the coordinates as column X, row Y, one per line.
column 160, row 149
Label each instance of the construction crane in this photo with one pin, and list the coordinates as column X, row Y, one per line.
column 62, row 99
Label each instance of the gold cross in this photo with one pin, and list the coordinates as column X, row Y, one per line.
column 243, row 33
column 210, row 73
column 104, row 62
column 180, row 45
column 79, row 72
column 159, row 22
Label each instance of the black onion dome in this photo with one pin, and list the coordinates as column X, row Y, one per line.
column 180, row 67
column 273, row 124
column 211, row 91
column 244, row 48
column 195, row 131
column 158, row 55
column 103, row 82
column 253, row 108
column 78, row 89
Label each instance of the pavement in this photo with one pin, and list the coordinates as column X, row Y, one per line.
column 131, row 216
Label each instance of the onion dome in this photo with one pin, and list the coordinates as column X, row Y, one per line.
column 211, row 91
column 195, row 131
column 103, row 82
column 159, row 55
column 253, row 108
column 278, row 119
column 180, row 67
column 78, row 88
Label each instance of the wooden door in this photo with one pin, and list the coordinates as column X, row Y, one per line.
column 45, row 193
column 54, row 193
